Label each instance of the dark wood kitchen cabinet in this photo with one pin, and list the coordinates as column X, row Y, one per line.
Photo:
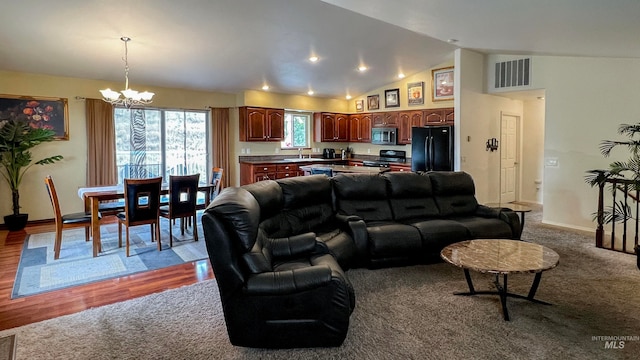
column 360, row 128
column 385, row 119
column 331, row 127
column 261, row 124
column 407, row 120
column 440, row 116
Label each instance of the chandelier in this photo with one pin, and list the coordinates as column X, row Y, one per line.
column 129, row 97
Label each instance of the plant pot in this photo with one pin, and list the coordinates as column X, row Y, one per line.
column 16, row 222
column 637, row 248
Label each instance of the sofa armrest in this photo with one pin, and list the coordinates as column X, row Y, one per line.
column 505, row 214
column 346, row 218
column 288, row 281
column 488, row 212
column 510, row 217
column 302, row 244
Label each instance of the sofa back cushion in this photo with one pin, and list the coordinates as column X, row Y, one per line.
column 364, row 195
column 411, row 195
column 454, row 192
column 307, row 206
column 268, row 195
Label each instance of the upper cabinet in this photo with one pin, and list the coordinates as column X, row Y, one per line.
column 385, row 119
column 261, row 124
column 360, row 127
column 438, row 116
column 407, row 120
column 331, row 127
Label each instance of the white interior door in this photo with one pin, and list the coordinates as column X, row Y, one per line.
column 508, row 158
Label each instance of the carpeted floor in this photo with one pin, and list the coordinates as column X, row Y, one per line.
column 401, row 313
column 38, row 272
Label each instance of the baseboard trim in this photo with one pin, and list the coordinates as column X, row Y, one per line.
column 34, row 222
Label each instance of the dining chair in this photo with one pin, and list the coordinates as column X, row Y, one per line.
column 216, row 181
column 66, row 221
column 183, row 194
column 141, row 207
column 325, row 171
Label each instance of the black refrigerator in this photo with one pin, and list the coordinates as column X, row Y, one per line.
column 432, row 148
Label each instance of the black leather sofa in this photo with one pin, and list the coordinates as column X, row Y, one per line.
column 279, row 249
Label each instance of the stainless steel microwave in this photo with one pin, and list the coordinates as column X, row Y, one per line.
column 384, row 136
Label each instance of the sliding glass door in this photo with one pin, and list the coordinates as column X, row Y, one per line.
column 156, row 142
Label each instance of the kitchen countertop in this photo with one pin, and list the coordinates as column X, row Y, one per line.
column 346, row 168
column 259, row 160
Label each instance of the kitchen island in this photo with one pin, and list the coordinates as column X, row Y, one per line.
column 344, row 169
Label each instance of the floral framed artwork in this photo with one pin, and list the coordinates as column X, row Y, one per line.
column 442, row 84
column 415, row 93
column 392, row 98
column 40, row 112
column 359, row 105
column 373, row 102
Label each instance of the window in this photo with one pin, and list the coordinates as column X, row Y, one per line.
column 296, row 130
column 155, row 142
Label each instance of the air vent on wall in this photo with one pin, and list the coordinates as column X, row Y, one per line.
column 513, row 73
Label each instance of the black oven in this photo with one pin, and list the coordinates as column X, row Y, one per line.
column 384, row 136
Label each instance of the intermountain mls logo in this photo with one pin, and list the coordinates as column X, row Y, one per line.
column 615, row 342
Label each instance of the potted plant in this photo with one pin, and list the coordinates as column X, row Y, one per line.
column 17, row 138
column 628, row 171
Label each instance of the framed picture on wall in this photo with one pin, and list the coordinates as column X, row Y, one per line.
column 373, row 102
column 442, row 84
column 415, row 93
column 392, row 98
column 359, row 105
column 40, row 112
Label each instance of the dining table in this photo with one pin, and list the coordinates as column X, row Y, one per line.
column 92, row 196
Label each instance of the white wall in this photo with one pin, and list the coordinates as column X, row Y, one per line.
column 586, row 99
column 532, row 151
column 478, row 119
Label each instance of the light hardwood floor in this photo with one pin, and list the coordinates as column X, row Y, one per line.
column 30, row 309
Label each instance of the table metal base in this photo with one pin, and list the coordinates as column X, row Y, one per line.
column 502, row 291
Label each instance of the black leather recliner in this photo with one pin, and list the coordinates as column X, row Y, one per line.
column 276, row 292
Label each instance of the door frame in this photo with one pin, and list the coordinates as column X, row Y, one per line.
column 518, row 180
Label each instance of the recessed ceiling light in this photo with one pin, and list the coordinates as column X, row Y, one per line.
column 313, row 59
column 265, row 87
column 452, row 41
column 362, row 68
column 401, row 76
column 540, row 97
column 348, row 97
column 310, row 92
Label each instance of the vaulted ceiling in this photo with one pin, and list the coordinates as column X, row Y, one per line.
column 234, row 45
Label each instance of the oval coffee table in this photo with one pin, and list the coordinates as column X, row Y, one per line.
column 501, row 257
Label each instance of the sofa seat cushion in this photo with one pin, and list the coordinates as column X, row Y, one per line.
column 485, row 228
column 319, row 260
column 389, row 239
column 438, row 233
column 340, row 245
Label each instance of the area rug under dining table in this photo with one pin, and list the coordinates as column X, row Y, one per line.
column 38, row 272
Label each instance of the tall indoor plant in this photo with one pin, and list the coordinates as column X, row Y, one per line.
column 621, row 170
column 17, row 138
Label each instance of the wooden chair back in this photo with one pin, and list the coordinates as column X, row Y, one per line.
column 53, row 196
column 142, row 200
column 183, row 195
column 216, row 181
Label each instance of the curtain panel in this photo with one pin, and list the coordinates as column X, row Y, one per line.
column 101, row 143
column 220, row 141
